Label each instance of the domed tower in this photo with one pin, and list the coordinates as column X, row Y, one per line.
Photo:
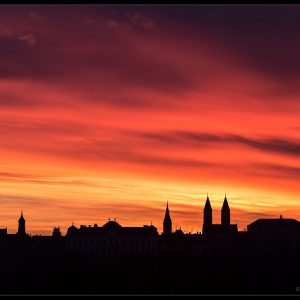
column 21, row 227
column 167, row 222
column 225, row 213
column 207, row 216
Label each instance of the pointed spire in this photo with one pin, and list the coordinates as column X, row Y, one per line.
column 21, row 217
column 167, row 224
column 225, row 203
column 207, row 204
column 225, row 213
column 167, row 214
column 21, row 227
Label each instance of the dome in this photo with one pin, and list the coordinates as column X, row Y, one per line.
column 112, row 225
column 72, row 230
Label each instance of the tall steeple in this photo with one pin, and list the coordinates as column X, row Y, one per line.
column 207, row 216
column 225, row 213
column 21, row 227
column 167, row 222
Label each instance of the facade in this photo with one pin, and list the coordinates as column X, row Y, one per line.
column 112, row 239
column 274, row 229
column 278, row 235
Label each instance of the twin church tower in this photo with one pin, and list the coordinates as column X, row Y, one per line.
column 208, row 226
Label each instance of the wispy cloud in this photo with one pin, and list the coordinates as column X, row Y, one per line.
column 115, row 24
column 140, row 20
column 30, row 178
column 270, row 144
column 35, row 16
column 29, row 39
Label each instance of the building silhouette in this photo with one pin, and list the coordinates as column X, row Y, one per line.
column 207, row 217
column 225, row 227
column 21, row 228
column 279, row 230
column 56, row 232
column 112, row 239
column 225, row 213
column 167, row 226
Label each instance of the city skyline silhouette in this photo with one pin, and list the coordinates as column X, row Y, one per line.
column 149, row 149
column 100, row 252
column 207, row 216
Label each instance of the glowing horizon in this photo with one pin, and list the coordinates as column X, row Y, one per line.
column 111, row 111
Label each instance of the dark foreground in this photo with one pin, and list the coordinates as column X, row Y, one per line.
column 252, row 273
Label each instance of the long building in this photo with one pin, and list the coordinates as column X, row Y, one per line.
column 111, row 239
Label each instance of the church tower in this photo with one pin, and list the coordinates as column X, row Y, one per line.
column 21, row 228
column 207, row 216
column 225, row 213
column 167, row 222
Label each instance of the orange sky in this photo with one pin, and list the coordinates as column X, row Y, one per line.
column 110, row 112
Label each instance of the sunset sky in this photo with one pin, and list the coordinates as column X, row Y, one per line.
column 111, row 111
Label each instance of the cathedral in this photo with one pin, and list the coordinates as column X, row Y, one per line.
column 208, row 227
column 224, row 227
